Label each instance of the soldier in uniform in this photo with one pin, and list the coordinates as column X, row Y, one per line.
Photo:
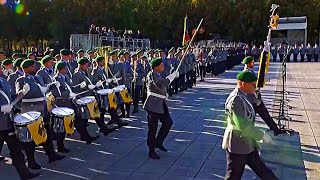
column 14, row 76
column 316, row 52
column 81, row 83
column 2, row 56
column 257, row 101
column 64, row 97
column 274, row 53
column 80, row 54
column 296, row 51
column 34, row 57
column 33, row 90
column 156, row 107
column 137, row 88
column 303, row 52
column 118, row 73
column 281, row 51
column 241, row 136
column 309, row 52
column 66, row 57
column 7, row 132
column 7, row 68
column 91, row 57
column 146, row 68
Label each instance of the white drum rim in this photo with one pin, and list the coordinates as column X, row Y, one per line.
column 35, row 115
column 66, row 111
column 81, row 100
column 105, row 91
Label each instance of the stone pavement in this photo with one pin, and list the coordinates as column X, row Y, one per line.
column 194, row 142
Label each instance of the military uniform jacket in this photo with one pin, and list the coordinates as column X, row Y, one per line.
column 34, row 100
column 5, row 91
column 240, row 135
column 61, row 95
column 167, row 67
column 156, row 92
column 12, row 82
column 317, row 50
column 303, row 51
column 79, row 77
column 46, row 75
column 70, row 72
column 296, row 51
column 99, row 73
column 310, row 50
column 117, row 70
column 141, row 74
column 128, row 71
column 72, row 65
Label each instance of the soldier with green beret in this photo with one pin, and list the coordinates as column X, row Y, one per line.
column 241, row 136
column 15, row 56
column 7, row 68
column 80, row 53
column 47, row 71
column 14, row 76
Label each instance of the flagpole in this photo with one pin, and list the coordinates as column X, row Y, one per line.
column 184, row 29
column 192, row 39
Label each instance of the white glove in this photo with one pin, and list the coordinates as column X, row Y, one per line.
column 25, row 89
column 177, row 74
column 99, row 83
column 108, row 81
column 137, row 74
column 267, row 138
column 44, row 90
column 91, row 86
column 266, row 46
column 172, row 76
column 83, row 85
column 115, row 80
column 6, row 108
column 57, row 83
column 72, row 95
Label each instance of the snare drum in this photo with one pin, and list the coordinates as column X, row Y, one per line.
column 107, row 98
column 88, row 107
column 29, row 127
column 62, row 119
column 122, row 94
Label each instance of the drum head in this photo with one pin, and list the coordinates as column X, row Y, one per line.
column 62, row 111
column 121, row 87
column 27, row 118
column 105, row 91
column 85, row 100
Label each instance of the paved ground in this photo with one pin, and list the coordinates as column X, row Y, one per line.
column 194, row 142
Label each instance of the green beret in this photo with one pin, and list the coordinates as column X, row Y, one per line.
column 56, row 56
column 80, row 51
column 139, row 51
column 144, row 56
column 99, row 59
column 60, row 65
column 120, row 53
column 14, row 54
column 247, row 76
column 133, row 54
column 126, row 52
column 155, row 62
column 150, row 51
column 30, row 54
column 65, row 52
column 89, row 51
column 247, row 60
column 172, row 49
column 17, row 62
column 2, row 52
column 45, row 59
column 83, row 60
column 113, row 53
column 27, row 63
column 6, row 62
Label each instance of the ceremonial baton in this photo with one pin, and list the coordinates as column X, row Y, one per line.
column 189, row 45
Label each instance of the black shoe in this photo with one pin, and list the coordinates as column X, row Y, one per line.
column 128, row 115
column 154, row 155
column 34, row 165
column 2, row 158
column 30, row 176
column 56, row 157
column 91, row 139
column 122, row 116
column 63, row 150
column 162, row 148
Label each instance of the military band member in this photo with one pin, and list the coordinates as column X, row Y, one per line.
column 191, row 62
column 138, row 82
column 14, row 76
column 309, row 52
column 81, row 83
column 146, row 66
column 156, row 107
column 65, row 56
column 47, row 71
column 303, row 52
column 33, row 90
column 316, row 52
column 296, row 51
column 15, row 56
column 7, row 68
column 91, row 56
column 274, row 53
column 241, row 136
column 57, row 58
column 34, row 57
column 7, row 132
column 80, row 54
column 64, row 97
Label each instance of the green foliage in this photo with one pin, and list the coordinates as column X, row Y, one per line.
column 243, row 20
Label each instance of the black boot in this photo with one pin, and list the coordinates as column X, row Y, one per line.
column 55, row 157
column 63, row 150
column 91, row 139
column 34, row 165
column 162, row 148
column 29, row 176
